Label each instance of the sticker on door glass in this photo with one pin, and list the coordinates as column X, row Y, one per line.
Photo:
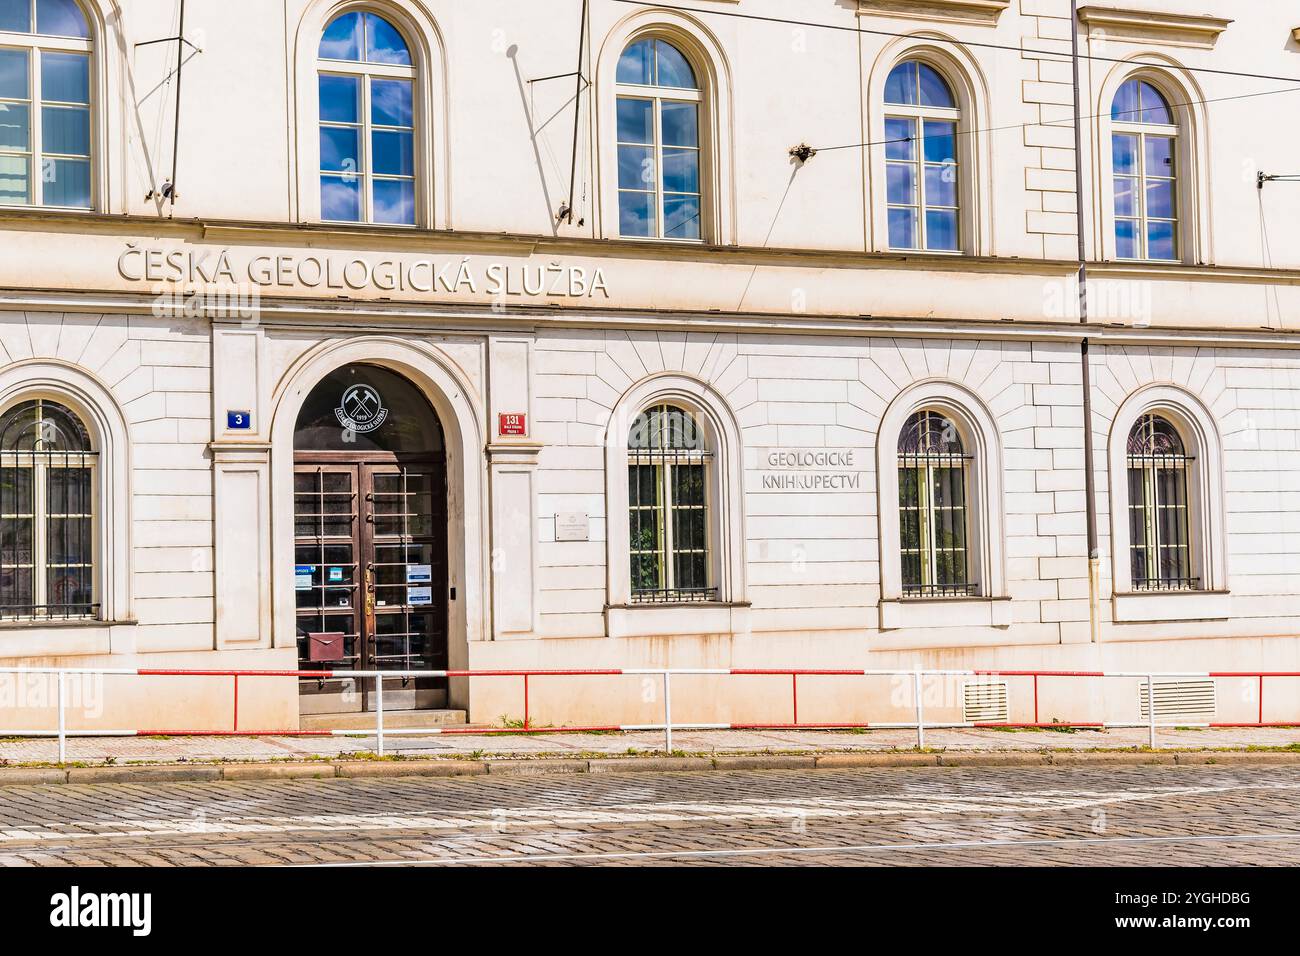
column 417, row 597
column 336, row 575
column 419, row 574
column 361, row 409
column 302, row 574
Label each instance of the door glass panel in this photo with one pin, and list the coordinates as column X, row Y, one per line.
column 403, row 641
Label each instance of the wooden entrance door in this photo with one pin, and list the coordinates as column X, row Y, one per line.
column 371, row 577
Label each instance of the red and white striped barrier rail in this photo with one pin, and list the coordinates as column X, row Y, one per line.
column 668, row 726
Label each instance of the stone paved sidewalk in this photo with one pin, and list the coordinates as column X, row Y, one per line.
column 121, row 750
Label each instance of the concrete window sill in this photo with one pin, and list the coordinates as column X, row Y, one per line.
column 900, row 613
column 665, row 620
column 1149, row 607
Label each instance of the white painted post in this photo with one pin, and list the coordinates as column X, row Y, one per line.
column 379, row 711
column 668, row 714
column 1151, row 712
column 920, row 714
column 63, row 722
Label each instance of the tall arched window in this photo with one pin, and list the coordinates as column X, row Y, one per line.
column 1158, row 507
column 921, row 169
column 367, row 122
column 47, row 514
column 668, row 507
column 659, row 176
column 932, row 502
column 1144, row 145
column 45, row 102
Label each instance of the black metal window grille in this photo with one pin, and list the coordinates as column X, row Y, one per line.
column 932, row 503
column 668, row 508
column 1159, row 540
column 47, row 514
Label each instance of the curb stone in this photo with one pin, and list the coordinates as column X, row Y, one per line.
column 529, row 767
column 36, row 776
column 847, row 761
column 32, row 778
column 142, row 774
column 278, row 771
column 993, row 760
column 1135, row 758
column 648, row 764
column 1237, row 757
column 412, row 768
column 765, row 763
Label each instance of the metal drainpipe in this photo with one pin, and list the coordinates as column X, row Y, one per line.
column 1089, row 478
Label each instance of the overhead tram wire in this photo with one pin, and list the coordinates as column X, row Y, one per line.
column 1066, row 121
column 1064, row 56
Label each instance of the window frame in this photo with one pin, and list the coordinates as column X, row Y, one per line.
column 1195, row 197
column 41, row 464
column 729, row 612
column 990, row 605
column 1142, row 131
column 36, row 45
column 926, row 464
column 366, row 73
column 665, row 460
column 657, row 96
column 1206, row 512
column 1154, row 502
column 918, row 115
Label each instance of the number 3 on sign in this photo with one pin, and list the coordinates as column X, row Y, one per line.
column 238, row 421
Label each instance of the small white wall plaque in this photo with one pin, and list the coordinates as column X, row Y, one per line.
column 572, row 526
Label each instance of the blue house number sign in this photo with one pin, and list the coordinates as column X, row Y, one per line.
column 238, row 421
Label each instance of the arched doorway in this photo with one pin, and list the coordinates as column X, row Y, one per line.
column 370, row 540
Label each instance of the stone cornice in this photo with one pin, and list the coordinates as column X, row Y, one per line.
column 950, row 11
column 451, row 242
column 360, row 317
column 1144, row 26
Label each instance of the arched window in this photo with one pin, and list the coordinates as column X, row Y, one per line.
column 1158, row 507
column 932, row 503
column 659, row 176
column 45, row 102
column 1144, row 145
column 668, row 507
column 367, row 122
column 47, row 514
column 921, row 170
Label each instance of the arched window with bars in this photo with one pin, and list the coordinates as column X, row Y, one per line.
column 1160, row 546
column 47, row 514
column 668, row 507
column 933, row 496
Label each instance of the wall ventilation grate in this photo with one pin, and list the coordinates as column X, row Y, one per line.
column 1193, row 701
column 985, row 702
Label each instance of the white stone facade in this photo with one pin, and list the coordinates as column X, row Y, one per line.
column 792, row 332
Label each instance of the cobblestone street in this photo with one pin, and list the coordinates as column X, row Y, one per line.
column 1115, row 816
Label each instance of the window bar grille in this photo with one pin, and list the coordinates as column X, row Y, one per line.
column 1163, row 565
column 925, row 463
column 46, row 565
column 666, row 459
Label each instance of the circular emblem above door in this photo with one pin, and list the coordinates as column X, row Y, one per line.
column 361, row 410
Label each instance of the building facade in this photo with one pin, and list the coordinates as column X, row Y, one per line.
column 375, row 337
